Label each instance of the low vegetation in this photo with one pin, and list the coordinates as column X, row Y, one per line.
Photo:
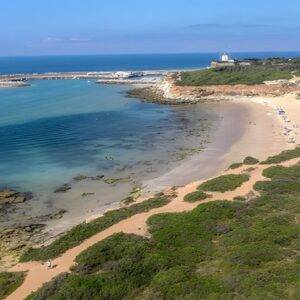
column 283, row 156
column 224, row 183
column 235, row 166
column 79, row 233
column 232, row 76
column 279, row 184
column 258, row 72
column 249, row 160
column 219, row 250
column 195, row 196
column 9, row 282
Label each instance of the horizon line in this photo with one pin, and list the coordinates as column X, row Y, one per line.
column 151, row 53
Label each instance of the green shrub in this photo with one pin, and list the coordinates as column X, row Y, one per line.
column 224, row 183
column 79, row 233
column 235, row 165
column 255, row 254
column 9, row 282
column 111, row 249
column 249, row 160
column 283, row 156
column 282, row 172
column 195, row 196
column 219, row 250
column 232, row 76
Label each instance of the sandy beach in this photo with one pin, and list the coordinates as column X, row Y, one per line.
column 251, row 126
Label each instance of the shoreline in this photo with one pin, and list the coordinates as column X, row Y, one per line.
column 218, row 154
column 249, row 139
column 258, row 137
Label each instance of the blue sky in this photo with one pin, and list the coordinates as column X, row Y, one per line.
column 35, row 27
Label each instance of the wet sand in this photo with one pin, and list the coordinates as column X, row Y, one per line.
column 248, row 128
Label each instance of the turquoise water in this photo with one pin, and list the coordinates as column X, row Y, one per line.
column 53, row 130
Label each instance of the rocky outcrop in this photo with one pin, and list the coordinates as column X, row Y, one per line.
column 168, row 92
column 63, row 188
column 82, row 177
column 9, row 196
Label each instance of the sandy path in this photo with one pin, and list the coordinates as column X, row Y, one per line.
column 37, row 274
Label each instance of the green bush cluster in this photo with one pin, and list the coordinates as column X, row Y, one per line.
column 249, row 160
column 9, row 282
column 79, row 233
column 283, row 156
column 224, row 183
column 195, row 196
column 233, row 75
column 235, row 166
column 279, row 184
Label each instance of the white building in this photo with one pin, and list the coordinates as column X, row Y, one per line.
column 226, row 58
column 225, row 61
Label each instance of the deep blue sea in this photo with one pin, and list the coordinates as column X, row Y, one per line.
column 42, row 64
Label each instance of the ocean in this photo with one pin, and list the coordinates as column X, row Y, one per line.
column 42, row 64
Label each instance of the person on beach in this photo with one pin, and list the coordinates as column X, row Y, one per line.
column 48, row 264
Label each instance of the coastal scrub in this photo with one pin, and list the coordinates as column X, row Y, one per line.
column 283, row 156
column 9, row 282
column 249, row 160
column 219, row 250
column 224, row 183
column 232, row 76
column 79, row 233
column 235, row 166
column 195, row 196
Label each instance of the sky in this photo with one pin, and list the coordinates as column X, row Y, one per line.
column 59, row 27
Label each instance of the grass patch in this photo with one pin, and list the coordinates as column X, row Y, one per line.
column 283, row 156
column 224, row 183
column 9, row 282
column 195, row 196
column 249, row 160
column 79, row 233
column 279, row 184
column 235, row 166
column 232, row 76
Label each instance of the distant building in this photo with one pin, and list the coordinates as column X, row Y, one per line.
column 225, row 61
column 226, row 58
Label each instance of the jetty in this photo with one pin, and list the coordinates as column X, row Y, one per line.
column 117, row 77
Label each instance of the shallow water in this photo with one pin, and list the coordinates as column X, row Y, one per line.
column 55, row 130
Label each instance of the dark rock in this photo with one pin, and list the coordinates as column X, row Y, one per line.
column 62, row 189
column 9, row 196
column 87, row 194
column 81, row 177
column 57, row 214
column 17, row 245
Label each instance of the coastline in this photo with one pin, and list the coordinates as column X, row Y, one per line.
column 258, row 128
column 260, row 135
